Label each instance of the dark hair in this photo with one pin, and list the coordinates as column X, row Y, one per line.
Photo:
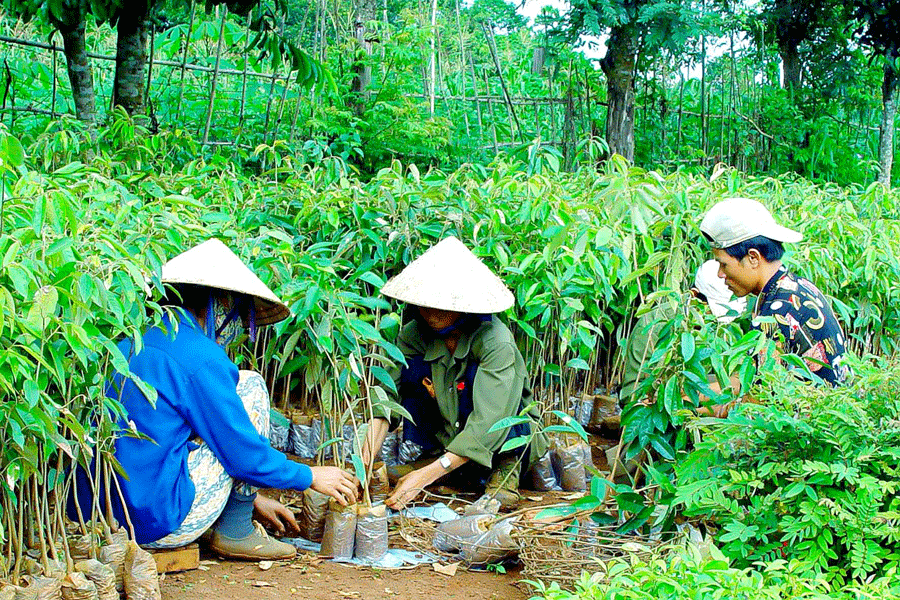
column 769, row 249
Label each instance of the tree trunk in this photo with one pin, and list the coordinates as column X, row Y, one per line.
column 131, row 59
column 789, row 51
column 362, row 66
column 888, row 116
column 78, row 66
column 618, row 66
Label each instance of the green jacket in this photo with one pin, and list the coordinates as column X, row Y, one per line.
column 500, row 389
column 640, row 347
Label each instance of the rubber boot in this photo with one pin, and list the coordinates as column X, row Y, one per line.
column 503, row 484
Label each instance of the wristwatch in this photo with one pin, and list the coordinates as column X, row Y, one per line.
column 445, row 462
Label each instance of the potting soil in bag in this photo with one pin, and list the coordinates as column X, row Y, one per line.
column 379, row 486
column 584, row 407
column 451, row 534
column 103, row 577
column 76, row 586
column 493, row 545
column 44, row 588
column 543, row 478
column 389, row 450
column 568, row 462
column 141, row 578
column 371, row 533
column 340, row 531
column 301, row 438
column 312, row 519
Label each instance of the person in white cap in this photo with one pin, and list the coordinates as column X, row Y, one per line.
column 748, row 245
column 204, row 441
column 707, row 288
column 464, row 373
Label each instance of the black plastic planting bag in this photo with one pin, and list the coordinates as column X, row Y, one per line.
column 340, row 531
column 543, row 477
column 312, row 519
column 141, row 578
column 568, row 462
column 371, row 533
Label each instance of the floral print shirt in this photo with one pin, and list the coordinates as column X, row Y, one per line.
column 804, row 318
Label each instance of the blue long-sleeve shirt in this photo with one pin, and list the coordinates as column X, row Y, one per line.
column 196, row 384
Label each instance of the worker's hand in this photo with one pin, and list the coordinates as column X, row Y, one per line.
column 336, row 483
column 274, row 515
column 408, row 488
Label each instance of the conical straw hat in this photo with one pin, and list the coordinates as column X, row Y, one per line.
column 449, row 277
column 212, row 264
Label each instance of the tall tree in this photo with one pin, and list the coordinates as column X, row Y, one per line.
column 880, row 31
column 636, row 30
column 364, row 12
column 791, row 24
column 69, row 17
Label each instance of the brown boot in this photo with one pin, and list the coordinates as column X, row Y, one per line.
column 503, row 483
column 256, row 546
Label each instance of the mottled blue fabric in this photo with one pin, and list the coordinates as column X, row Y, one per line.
column 196, row 384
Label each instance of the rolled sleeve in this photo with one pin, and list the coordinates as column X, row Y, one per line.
column 497, row 393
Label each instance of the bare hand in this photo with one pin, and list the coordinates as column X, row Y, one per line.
column 336, row 483
column 408, row 488
column 274, row 515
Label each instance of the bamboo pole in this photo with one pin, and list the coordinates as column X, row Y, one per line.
column 489, row 36
column 215, row 77
column 432, row 58
column 246, row 69
column 187, row 45
column 53, row 76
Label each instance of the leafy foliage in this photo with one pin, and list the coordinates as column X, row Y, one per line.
column 808, row 474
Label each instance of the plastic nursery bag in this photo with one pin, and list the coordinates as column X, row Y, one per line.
column 389, row 450
column 584, row 407
column 76, row 586
column 103, row 576
column 543, row 478
column 312, row 519
column 493, row 545
column 113, row 554
column 42, row 588
column 568, row 462
column 371, row 533
column 379, row 486
column 409, row 451
column 141, row 578
column 451, row 534
column 340, row 531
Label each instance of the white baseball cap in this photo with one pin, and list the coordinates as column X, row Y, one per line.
column 720, row 299
column 737, row 220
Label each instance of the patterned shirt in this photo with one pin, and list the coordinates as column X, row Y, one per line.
column 805, row 319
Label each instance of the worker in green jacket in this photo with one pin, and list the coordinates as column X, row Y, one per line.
column 709, row 289
column 464, row 373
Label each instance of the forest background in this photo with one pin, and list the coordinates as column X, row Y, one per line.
column 768, row 87
column 330, row 142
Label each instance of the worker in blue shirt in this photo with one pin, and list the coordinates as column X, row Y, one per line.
column 204, row 441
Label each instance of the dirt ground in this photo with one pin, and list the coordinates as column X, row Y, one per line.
column 308, row 576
